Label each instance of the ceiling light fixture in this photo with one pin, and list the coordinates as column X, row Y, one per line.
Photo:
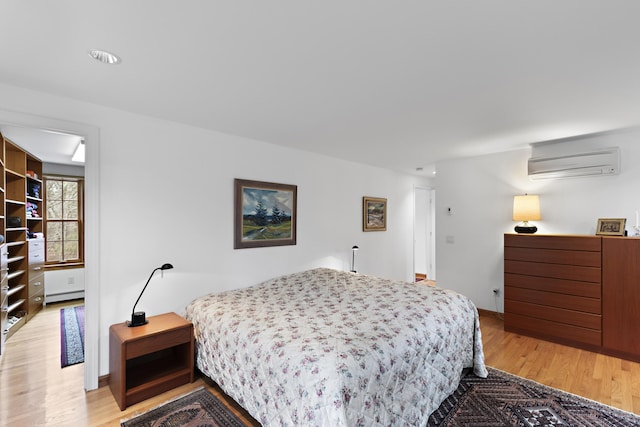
column 104, row 56
column 78, row 155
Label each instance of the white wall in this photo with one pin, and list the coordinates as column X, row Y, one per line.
column 480, row 192
column 166, row 195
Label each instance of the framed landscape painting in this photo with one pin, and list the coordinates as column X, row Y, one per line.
column 374, row 214
column 264, row 214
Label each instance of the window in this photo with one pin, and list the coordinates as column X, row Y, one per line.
column 64, row 220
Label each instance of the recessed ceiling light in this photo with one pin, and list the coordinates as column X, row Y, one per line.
column 104, row 56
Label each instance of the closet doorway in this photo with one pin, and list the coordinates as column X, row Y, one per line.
column 424, row 255
column 91, row 135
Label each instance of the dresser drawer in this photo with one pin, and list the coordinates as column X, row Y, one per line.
column 554, row 331
column 541, row 241
column 36, row 285
column 36, row 270
column 557, row 271
column 36, row 256
column 35, row 303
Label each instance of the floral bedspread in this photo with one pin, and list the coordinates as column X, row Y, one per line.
column 331, row 348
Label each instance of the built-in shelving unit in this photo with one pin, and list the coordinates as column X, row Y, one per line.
column 20, row 196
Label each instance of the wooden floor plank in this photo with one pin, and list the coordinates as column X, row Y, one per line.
column 37, row 392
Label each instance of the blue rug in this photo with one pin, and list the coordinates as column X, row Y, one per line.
column 71, row 335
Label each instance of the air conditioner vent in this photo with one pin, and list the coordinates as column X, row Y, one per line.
column 594, row 163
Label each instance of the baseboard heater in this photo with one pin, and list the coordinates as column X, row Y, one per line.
column 64, row 296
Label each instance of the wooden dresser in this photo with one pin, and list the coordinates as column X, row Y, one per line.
column 582, row 291
column 553, row 288
column 621, row 297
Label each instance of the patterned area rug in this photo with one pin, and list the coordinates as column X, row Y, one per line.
column 503, row 399
column 198, row 408
column 71, row 335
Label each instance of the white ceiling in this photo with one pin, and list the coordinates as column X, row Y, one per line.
column 398, row 84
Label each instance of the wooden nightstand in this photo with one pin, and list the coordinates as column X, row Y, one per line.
column 148, row 360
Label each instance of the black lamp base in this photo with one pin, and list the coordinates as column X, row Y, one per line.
column 530, row 229
column 138, row 318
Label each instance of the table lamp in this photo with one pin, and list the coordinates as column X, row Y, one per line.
column 139, row 318
column 526, row 208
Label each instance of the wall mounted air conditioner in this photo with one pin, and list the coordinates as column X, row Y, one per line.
column 593, row 163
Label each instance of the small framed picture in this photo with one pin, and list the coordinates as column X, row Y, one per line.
column 374, row 214
column 265, row 214
column 611, row 226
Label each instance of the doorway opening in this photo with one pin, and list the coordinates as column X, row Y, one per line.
column 91, row 135
column 424, row 235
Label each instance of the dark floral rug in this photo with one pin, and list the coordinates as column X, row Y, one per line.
column 199, row 408
column 499, row 400
column 503, row 399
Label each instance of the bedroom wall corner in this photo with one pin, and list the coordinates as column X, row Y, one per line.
column 479, row 191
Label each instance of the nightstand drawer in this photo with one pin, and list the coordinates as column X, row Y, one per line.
column 157, row 342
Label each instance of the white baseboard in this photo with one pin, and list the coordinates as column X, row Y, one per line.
column 63, row 296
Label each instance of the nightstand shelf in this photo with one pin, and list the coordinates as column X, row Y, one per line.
column 147, row 360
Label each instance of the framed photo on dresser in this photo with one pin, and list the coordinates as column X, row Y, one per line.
column 611, row 226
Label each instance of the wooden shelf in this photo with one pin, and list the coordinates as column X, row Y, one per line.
column 14, row 173
column 18, row 243
column 15, row 274
column 14, row 259
column 15, row 305
column 14, row 327
column 15, row 290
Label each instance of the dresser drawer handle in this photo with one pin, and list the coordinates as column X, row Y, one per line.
column 37, row 284
column 38, row 299
column 37, row 268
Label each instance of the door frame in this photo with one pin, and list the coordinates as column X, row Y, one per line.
column 91, row 134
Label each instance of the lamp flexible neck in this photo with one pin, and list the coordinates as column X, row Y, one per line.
column 133, row 310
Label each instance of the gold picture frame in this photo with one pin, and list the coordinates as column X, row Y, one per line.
column 374, row 214
column 611, row 226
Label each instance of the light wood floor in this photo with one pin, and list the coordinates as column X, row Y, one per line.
column 35, row 391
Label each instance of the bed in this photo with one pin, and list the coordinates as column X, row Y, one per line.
column 331, row 348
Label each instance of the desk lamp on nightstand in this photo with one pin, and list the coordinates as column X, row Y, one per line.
column 139, row 318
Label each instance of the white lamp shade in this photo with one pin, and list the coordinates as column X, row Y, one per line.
column 526, row 208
